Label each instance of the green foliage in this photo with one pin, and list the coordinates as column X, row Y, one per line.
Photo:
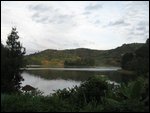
column 12, row 61
column 126, row 59
column 137, row 61
column 80, row 62
column 82, row 57
column 94, row 95
column 93, row 89
column 128, row 97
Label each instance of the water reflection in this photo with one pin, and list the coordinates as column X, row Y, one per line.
column 45, row 85
column 78, row 69
column 49, row 80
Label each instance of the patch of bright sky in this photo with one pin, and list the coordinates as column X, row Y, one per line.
column 70, row 24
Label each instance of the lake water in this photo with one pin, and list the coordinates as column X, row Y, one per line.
column 49, row 79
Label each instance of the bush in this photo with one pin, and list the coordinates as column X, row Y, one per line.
column 131, row 97
column 94, row 94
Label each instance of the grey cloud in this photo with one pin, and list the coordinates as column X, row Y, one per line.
column 51, row 20
column 40, row 12
column 60, row 19
column 97, row 22
column 135, row 33
column 143, row 23
column 141, row 28
column 63, row 18
column 137, row 12
column 39, row 7
column 38, row 17
column 138, row 32
column 93, row 7
column 147, row 31
column 35, row 15
column 120, row 22
column 49, row 15
column 63, row 43
column 86, row 13
column 57, row 9
column 43, row 20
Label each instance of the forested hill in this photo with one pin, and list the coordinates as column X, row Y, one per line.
column 81, row 56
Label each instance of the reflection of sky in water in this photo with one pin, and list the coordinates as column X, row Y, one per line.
column 47, row 86
column 79, row 69
column 64, row 78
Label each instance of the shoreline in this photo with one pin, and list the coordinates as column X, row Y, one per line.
column 126, row 72
column 77, row 69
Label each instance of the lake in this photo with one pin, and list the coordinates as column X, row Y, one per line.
column 49, row 79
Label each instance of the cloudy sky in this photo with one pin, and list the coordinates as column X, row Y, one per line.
column 66, row 25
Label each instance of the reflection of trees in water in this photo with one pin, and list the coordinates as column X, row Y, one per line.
column 79, row 75
column 66, row 75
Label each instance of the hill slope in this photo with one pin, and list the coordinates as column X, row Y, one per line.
column 57, row 58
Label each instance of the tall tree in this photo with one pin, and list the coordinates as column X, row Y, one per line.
column 13, row 56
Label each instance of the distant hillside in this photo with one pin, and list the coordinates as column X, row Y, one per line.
column 57, row 58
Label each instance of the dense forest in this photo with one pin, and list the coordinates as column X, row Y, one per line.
column 81, row 56
column 138, row 60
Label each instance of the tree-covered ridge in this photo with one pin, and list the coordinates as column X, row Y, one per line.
column 138, row 60
column 81, row 56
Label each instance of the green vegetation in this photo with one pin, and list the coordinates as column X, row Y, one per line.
column 94, row 95
column 138, row 60
column 81, row 57
column 79, row 62
column 11, row 62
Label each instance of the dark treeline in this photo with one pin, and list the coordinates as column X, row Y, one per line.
column 137, row 61
column 11, row 62
column 79, row 62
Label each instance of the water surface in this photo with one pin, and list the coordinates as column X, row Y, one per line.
column 49, row 79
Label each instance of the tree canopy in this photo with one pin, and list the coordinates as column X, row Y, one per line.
column 137, row 61
column 12, row 61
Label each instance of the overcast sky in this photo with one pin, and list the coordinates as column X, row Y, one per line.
column 66, row 25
